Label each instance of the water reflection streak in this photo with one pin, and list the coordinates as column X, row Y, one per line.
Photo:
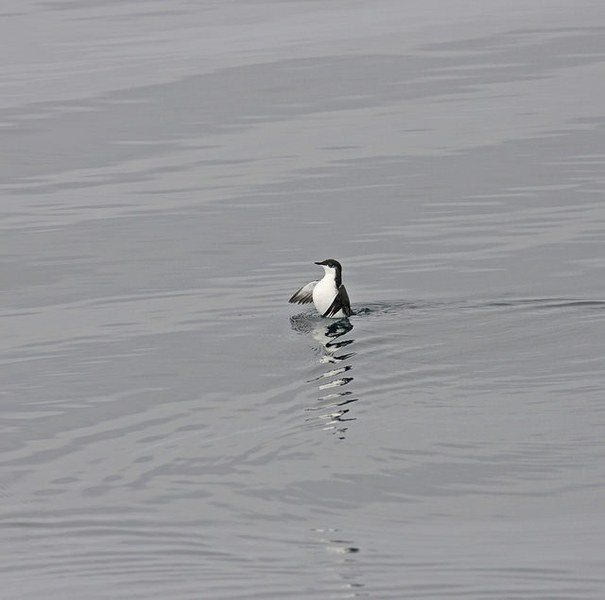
column 332, row 409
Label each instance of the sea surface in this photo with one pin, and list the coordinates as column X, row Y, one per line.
column 170, row 427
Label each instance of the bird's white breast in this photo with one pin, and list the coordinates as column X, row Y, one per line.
column 324, row 293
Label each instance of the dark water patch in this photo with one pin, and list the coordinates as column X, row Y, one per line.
column 162, row 118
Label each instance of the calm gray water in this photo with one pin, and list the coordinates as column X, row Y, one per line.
column 172, row 428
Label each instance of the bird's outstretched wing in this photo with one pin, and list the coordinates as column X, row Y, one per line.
column 304, row 295
column 341, row 302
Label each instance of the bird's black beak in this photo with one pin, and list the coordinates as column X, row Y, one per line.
column 319, row 263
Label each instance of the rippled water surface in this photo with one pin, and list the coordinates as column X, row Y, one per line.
column 172, row 428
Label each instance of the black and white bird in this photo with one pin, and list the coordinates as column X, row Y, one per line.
column 328, row 294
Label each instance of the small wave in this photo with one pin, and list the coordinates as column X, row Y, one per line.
column 387, row 308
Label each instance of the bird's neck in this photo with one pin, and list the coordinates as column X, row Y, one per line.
column 334, row 276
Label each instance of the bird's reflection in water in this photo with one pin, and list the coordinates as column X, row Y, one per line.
column 333, row 406
column 344, row 561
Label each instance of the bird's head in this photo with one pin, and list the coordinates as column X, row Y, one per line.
column 330, row 265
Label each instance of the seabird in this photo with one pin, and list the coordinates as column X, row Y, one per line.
column 328, row 294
